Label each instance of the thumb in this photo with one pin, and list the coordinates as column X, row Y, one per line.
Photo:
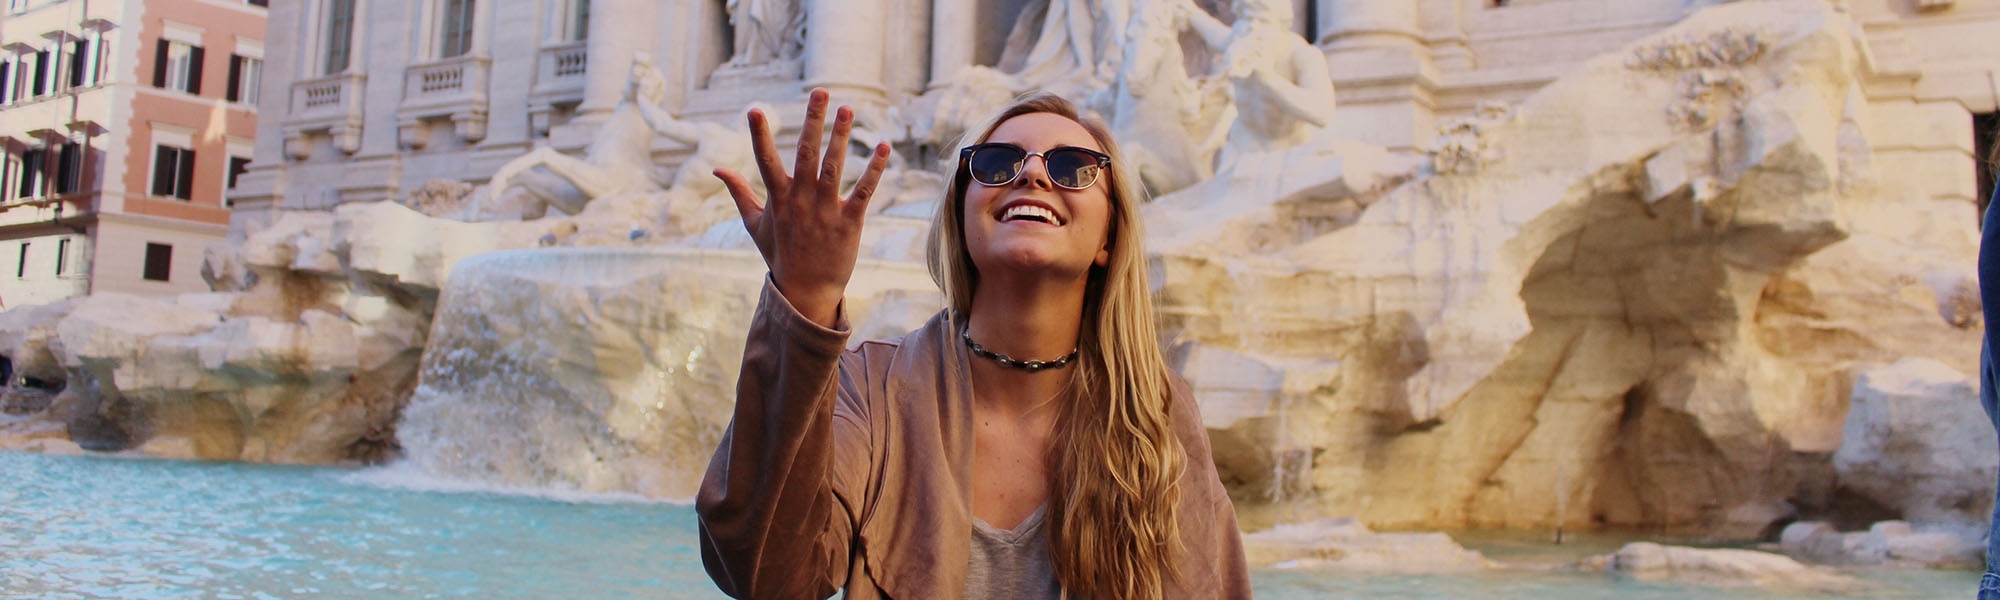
column 739, row 191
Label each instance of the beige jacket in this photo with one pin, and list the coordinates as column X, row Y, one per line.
column 848, row 469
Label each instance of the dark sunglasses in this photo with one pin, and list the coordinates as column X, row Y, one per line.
column 997, row 164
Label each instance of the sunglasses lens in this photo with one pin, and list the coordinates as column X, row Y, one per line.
column 1072, row 168
column 995, row 165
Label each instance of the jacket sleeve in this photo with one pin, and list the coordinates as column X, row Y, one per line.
column 778, row 506
column 1219, row 568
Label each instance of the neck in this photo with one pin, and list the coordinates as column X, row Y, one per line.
column 1025, row 320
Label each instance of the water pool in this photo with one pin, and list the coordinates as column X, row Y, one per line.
column 97, row 527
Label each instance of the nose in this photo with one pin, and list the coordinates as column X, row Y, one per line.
column 1035, row 176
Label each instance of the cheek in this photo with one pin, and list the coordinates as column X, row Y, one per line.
column 1100, row 234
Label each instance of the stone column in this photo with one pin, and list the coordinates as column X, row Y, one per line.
column 618, row 29
column 845, row 41
column 1382, row 71
column 482, row 40
column 954, row 39
column 1368, row 23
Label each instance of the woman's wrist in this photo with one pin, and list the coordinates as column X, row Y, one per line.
column 818, row 305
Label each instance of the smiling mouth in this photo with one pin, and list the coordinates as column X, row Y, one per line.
column 1030, row 212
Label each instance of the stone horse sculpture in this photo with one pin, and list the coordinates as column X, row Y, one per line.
column 1279, row 83
column 1172, row 124
column 619, row 161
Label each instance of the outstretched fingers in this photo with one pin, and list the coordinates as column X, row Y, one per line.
column 864, row 188
column 836, row 153
column 806, row 166
column 776, row 183
column 739, row 190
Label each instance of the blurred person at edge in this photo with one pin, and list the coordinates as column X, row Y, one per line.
column 1989, row 385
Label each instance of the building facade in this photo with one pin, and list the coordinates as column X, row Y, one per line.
column 124, row 123
column 369, row 99
column 1402, row 67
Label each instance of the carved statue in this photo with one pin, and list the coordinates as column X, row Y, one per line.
column 1279, row 83
column 619, row 161
column 766, row 30
column 1171, row 128
column 1278, row 100
column 1074, row 42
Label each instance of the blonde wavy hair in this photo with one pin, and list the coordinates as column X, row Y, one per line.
column 1115, row 466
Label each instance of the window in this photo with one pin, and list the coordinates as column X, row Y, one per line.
column 98, row 55
column 159, row 261
column 455, row 33
column 73, row 257
column 566, row 21
column 69, row 169
column 6, row 177
column 43, row 78
column 6, row 82
column 237, row 166
column 264, row 3
column 245, row 73
column 21, row 269
column 339, row 34
column 177, row 66
column 24, row 78
column 34, row 173
column 173, row 172
column 79, row 63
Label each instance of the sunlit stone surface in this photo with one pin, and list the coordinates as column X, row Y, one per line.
column 1696, row 284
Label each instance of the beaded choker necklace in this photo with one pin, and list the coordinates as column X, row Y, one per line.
column 1010, row 362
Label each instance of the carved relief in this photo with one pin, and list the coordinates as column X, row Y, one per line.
column 439, row 197
column 1727, row 48
column 1706, row 98
column 1460, row 147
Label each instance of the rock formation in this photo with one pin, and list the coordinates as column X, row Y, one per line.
column 1887, row 542
column 1719, row 567
column 1644, row 297
column 1918, row 443
column 1347, row 545
column 1640, row 306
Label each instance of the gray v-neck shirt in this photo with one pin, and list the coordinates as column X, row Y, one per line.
column 1012, row 563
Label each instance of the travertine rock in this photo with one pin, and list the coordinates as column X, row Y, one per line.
column 1646, row 294
column 1918, row 442
column 1347, row 545
column 1639, row 298
column 1720, row 567
column 1887, row 542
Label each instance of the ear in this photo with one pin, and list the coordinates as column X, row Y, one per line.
column 1103, row 256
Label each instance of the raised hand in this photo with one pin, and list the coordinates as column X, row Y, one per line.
column 809, row 235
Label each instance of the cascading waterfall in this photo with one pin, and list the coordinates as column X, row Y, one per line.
column 599, row 370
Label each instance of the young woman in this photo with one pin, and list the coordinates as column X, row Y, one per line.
column 1027, row 442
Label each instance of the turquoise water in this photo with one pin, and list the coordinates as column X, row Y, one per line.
column 94, row 527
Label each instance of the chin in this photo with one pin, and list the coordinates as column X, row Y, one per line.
column 1039, row 263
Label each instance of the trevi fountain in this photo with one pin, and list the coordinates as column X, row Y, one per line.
column 1666, row 327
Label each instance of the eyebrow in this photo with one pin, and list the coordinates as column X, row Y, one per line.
column 1057, row 145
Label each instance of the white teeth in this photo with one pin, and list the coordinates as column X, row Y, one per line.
column 1029, row 210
